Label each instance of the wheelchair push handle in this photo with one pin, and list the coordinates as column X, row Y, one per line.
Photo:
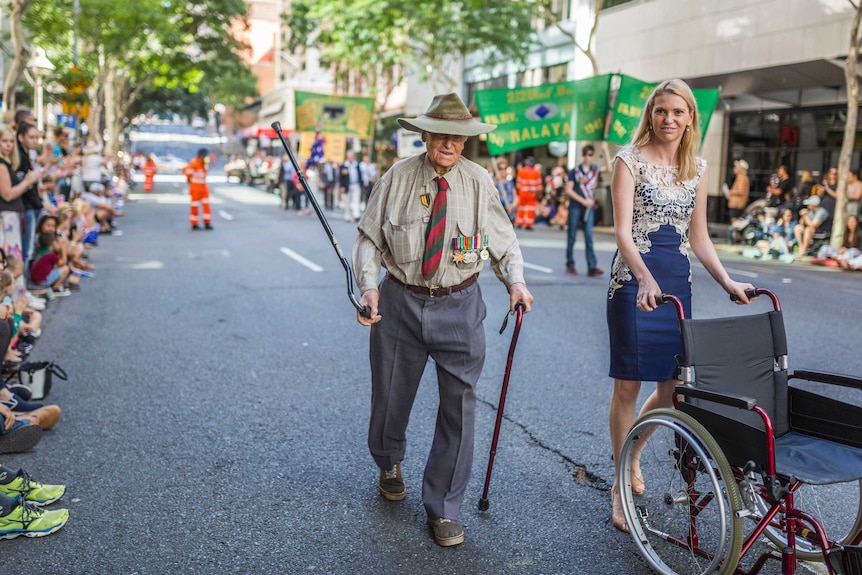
column 670, row 298
column 753, row 293
column 749, row 293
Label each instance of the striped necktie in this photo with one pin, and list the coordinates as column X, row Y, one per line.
column 436, row 231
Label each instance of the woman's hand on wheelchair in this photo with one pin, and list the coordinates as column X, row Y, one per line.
column 648, row 291
column 738, row 293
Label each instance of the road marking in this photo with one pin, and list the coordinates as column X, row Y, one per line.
column 295, row 256
column 744, row 273
column 538, row 268
column 225, row 215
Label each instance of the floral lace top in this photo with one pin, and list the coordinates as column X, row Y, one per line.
column 659, row 200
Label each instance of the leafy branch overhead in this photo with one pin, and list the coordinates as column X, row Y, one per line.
column 129, row 47
column 362, row 34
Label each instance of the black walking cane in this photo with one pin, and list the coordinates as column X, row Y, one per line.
column 519, row 311
column 362, row 309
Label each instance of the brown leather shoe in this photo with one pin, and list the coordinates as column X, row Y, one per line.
column 447, row 532
column 45, row 417
column 391, row 484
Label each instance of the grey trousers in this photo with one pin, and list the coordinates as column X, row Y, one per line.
column 449, row 330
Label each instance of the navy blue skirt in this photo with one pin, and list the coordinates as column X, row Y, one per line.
column 644, row 344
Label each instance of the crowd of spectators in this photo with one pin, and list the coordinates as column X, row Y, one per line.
column 56, row 200
column 794, row 222
column 343, row 186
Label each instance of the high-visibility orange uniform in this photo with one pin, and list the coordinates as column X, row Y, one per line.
column 196, row 173
column 529, row 185
column 150, row 171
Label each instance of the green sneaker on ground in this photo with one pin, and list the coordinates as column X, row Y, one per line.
column 27, row 519
column 14, row 483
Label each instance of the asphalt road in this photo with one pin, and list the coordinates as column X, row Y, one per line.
column 216, row 413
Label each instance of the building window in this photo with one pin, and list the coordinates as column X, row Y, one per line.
column 614, row 3
column 560, row 9
column 554, row 74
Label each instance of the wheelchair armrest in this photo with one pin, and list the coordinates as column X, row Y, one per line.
column 830, row 378
column 738, row 401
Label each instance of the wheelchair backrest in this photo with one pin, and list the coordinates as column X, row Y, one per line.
column 744, row 355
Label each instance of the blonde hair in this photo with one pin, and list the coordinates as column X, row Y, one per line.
column 6, row 280
column 4, row 130
column 690, row 143
column 14, row 265
column 806, row 176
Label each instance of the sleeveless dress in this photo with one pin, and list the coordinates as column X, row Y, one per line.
column 644, row 344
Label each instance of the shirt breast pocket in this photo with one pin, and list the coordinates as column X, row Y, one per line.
column 405, row 238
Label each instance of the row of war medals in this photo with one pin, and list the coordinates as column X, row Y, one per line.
column 468, row 249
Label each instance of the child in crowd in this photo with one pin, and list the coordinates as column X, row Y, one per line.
column 85, row 221
column 50, row 268
column 71, row 238
column 28, row 321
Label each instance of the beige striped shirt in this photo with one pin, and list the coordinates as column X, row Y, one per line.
column 392, row 230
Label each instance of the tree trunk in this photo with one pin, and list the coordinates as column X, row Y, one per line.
column 94, row 118
column 839, row 217
column 20, row 54
column 111, row 93
column 588, row 48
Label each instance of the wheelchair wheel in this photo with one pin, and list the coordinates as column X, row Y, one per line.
column 838, row 507
column 686, row 520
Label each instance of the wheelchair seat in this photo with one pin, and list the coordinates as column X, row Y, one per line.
column 817, row 440
column 816, row 461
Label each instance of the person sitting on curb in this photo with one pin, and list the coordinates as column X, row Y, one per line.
column 810, row 219
column 850, row 249
column 21, row 506
column 50, row 267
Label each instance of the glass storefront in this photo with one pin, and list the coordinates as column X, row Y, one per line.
column 801, row 138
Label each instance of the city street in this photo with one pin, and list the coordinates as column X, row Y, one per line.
column 215, row 416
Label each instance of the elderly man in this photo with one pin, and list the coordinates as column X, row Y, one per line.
column 432, row 221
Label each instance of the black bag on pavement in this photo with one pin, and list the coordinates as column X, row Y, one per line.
column 37, row 377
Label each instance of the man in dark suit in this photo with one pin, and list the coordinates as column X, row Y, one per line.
column 350, row 178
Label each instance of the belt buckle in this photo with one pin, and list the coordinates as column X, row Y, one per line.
column 431, row 291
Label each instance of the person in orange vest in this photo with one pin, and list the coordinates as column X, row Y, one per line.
column 528, row 184
column 150, row 170
column 196, row 174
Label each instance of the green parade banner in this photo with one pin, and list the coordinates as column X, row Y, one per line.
column 591, row 107
column 631, row 99
column 348, row 115
column 632, row 96
column 707, row 100
column 527, row 117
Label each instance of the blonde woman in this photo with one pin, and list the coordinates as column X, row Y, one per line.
column 659, row 191
column 13, row 184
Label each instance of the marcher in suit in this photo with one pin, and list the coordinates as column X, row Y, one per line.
column 350, row 179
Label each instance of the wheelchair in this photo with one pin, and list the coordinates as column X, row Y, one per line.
column 744, row 454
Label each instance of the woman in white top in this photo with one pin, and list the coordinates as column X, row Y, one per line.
column 91, row 167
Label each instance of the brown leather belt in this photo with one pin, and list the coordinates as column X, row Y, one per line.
column 436, row 291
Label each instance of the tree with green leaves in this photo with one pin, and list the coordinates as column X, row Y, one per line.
column 127, row 48
column 372, row 37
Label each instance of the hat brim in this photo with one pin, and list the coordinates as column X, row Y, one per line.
column 451, row 127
